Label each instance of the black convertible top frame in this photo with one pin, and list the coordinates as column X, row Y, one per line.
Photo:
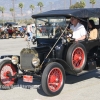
column 80, row 13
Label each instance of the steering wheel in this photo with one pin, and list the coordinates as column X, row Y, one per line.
column 68, row 35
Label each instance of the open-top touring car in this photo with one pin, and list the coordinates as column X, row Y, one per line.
column 55, row 54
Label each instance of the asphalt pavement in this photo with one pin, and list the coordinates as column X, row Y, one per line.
column 84, row 87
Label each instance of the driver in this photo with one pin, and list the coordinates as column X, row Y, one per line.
column 79, row 32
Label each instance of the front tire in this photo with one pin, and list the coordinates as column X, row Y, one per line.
column 6, row 67
column 53, row 79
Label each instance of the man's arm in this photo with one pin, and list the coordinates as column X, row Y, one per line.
column 82, row 38
column 83, row 34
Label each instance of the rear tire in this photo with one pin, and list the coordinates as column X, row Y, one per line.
column 53, row 79
column 76, row 57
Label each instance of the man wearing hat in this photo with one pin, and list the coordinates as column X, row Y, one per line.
column 79, row 31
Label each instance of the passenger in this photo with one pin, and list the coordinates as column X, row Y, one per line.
column 93, row 31
column 10, row 30
column 79, row 32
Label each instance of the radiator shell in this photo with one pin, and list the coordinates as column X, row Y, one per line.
column 26, row 56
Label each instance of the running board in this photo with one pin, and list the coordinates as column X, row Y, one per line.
column 86, row 71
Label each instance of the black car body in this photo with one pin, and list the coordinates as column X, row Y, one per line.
column 55, row 54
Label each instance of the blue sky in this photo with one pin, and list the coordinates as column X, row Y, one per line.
column 56, row 4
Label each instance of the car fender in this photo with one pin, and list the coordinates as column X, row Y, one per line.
column 8, row 56
column 64, row 64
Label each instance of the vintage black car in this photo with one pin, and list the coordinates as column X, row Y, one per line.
column 56, row 55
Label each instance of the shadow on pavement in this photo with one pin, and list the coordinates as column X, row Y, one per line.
column 71, row 79
column 35, row 85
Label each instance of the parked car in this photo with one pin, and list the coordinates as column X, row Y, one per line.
column 54, row 56
column 10, row 23
column 16, row 31
column 3, row 33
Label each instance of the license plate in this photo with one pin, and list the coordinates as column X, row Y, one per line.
column 27, row 78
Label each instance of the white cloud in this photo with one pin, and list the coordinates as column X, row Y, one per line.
column 29, row 12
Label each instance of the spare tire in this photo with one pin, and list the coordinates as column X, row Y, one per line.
column 76, row 57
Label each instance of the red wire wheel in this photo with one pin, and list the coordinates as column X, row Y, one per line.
column 7, row 68
column 55, row 79
column 78, row 57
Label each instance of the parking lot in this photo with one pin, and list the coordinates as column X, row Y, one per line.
column 84, row 87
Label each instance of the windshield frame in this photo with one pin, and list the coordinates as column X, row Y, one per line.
column 61, row 20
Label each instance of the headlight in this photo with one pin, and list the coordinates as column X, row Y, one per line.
column 14, row 60
column 36, row 61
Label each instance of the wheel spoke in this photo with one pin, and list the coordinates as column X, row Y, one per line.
column 56, row 84
column 5, row 79
column 55, row 79
column 78, row 57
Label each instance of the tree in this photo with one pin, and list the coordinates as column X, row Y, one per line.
column 12, row 11
column 77, row 5
column 70, row 2
column 50, row 3
column 80, row 4
column 21, row 6
column 92, row 2
column 2, row 9
column 72, row 7
column 32, row 7
column 13, row 2
column 40, row 4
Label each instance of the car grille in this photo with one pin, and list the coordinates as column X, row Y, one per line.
column 26, row 57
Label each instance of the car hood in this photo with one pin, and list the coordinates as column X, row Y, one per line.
column 47, row 41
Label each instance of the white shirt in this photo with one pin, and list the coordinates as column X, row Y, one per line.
column 78, row 31
column 28, row 28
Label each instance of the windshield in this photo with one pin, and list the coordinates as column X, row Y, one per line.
column 50, row 26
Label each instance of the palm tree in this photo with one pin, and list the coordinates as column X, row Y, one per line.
column 21, row 6
column 12, row 11
column 70, row 3
column 13, row 2
column 40, row 4
column 92, row 2
column 2, row 9
column 32, row 7
column 50, row 5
